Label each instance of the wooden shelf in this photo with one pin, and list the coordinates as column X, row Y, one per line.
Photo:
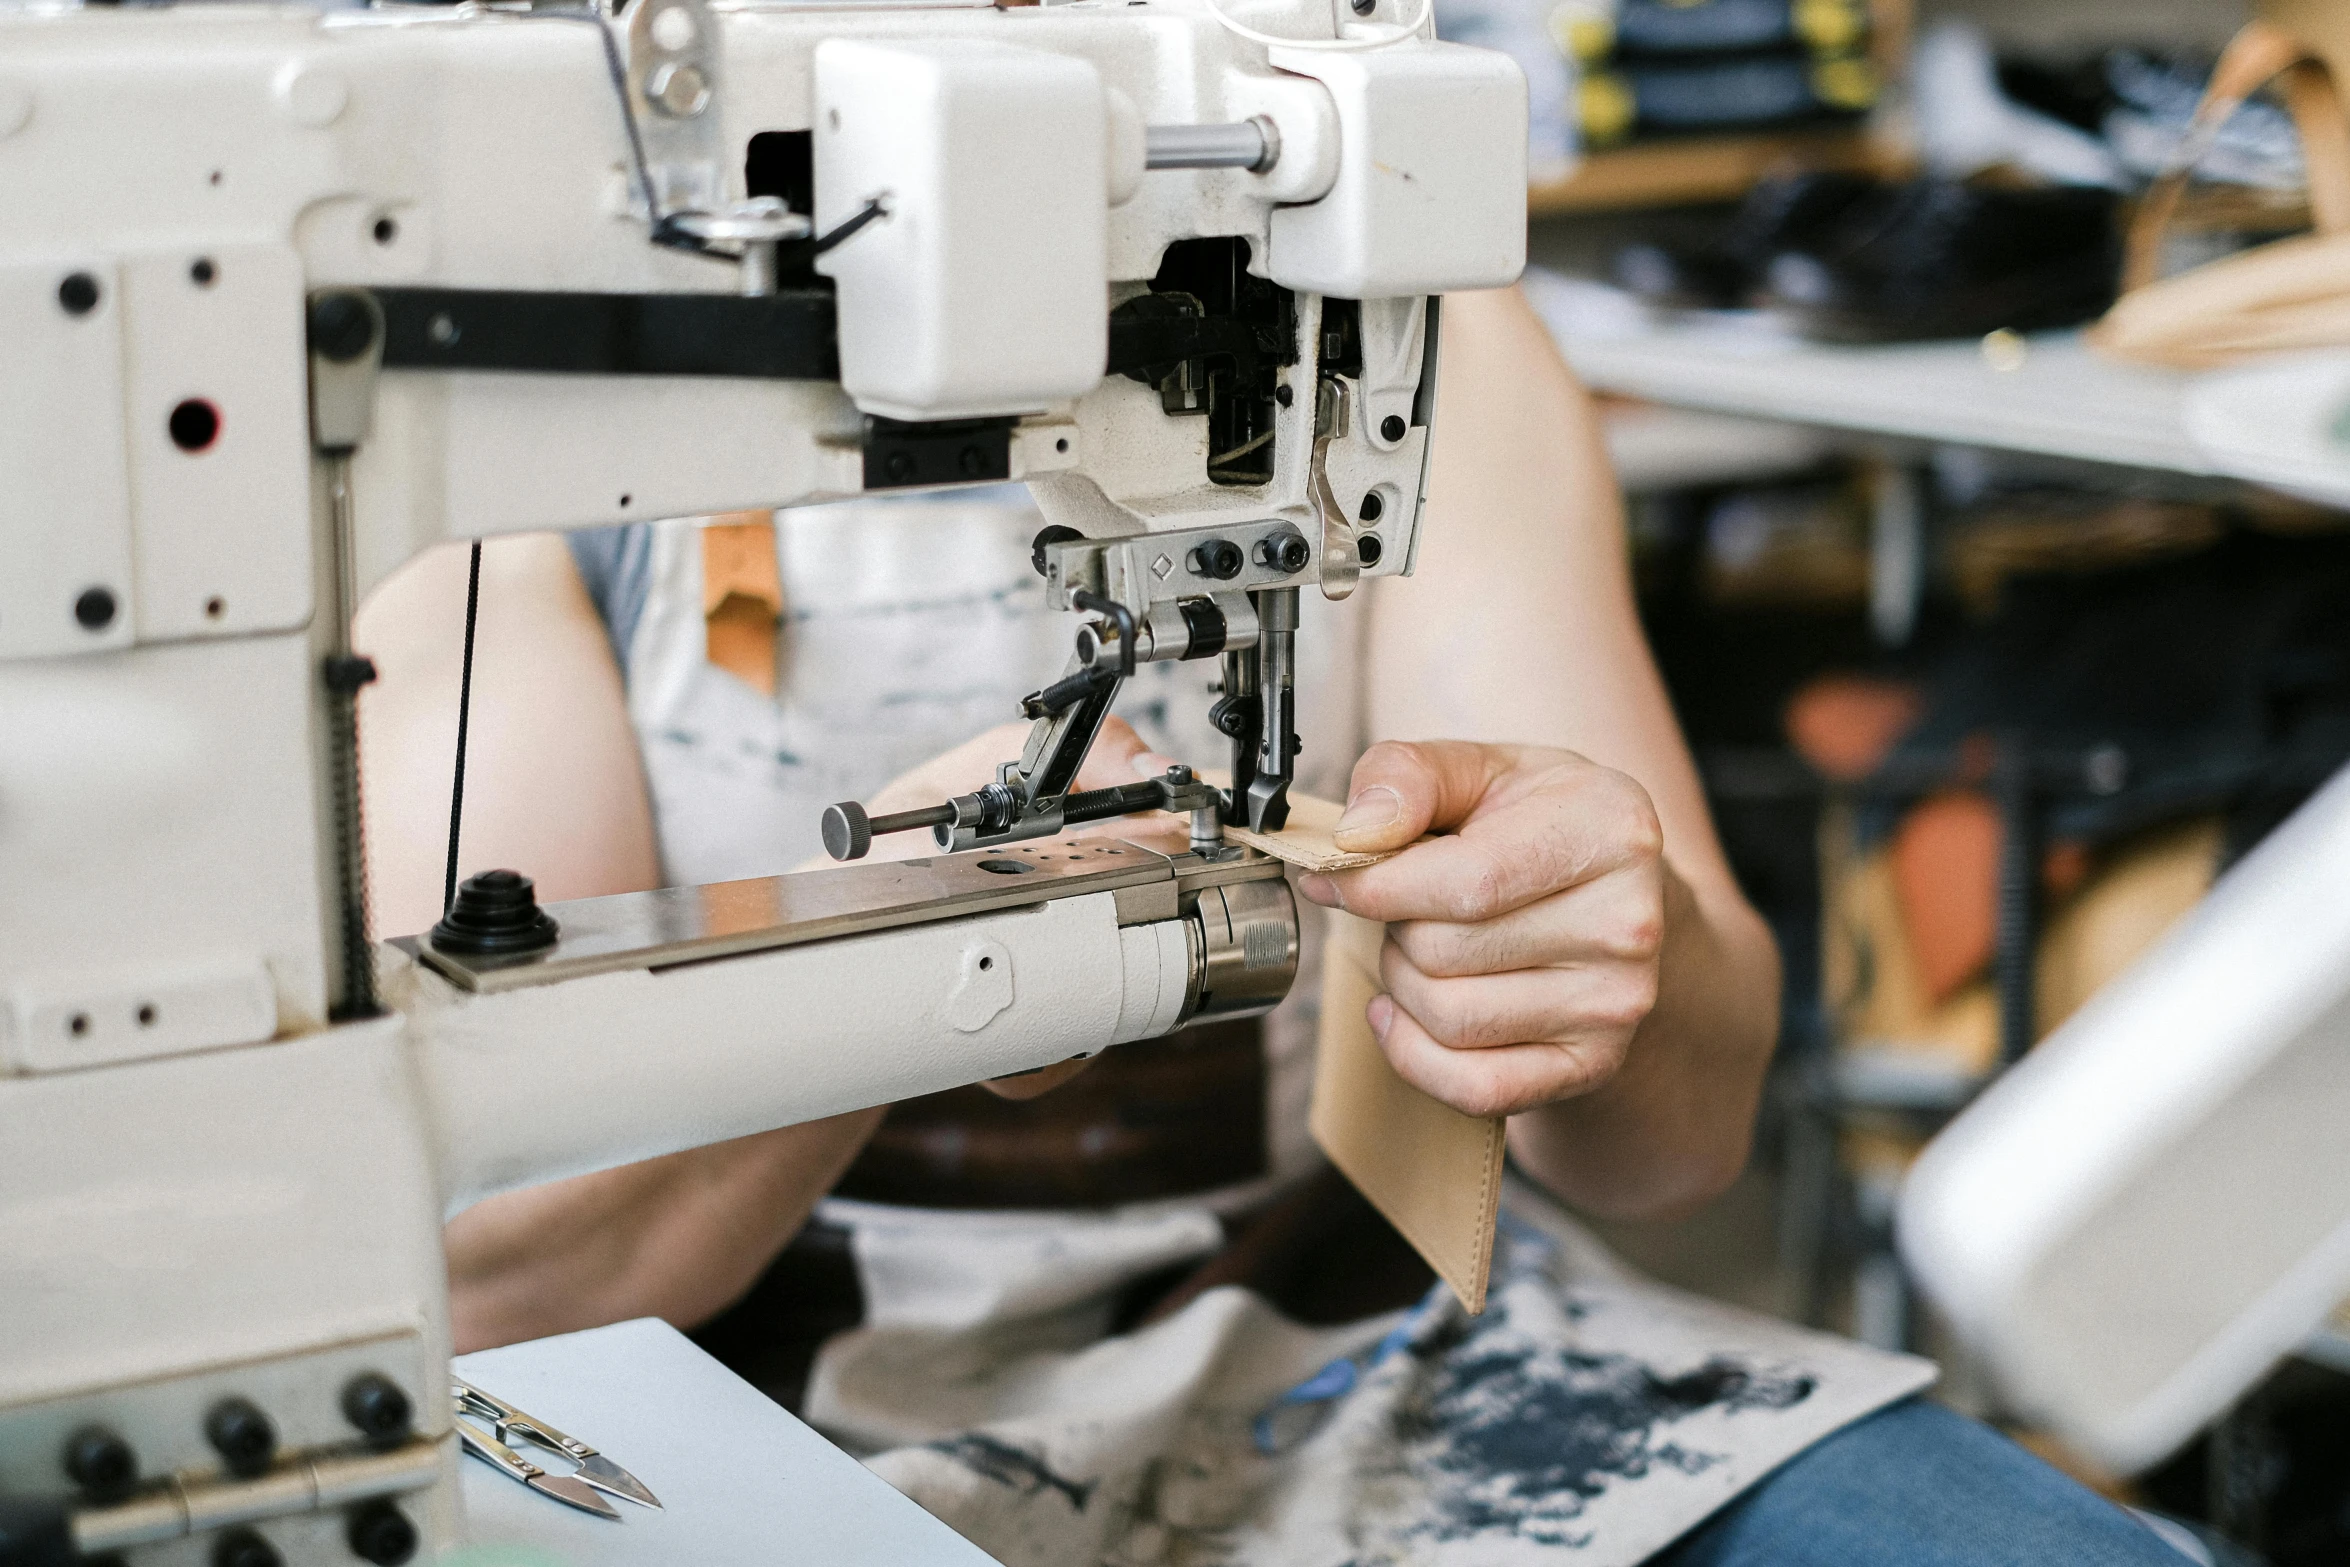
column 1711, row 168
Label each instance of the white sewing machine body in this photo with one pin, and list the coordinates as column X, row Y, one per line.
column 211, row 1187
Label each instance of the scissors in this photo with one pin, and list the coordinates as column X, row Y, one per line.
column 596, row 1473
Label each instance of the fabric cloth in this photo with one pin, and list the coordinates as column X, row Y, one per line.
column 1588, row 1416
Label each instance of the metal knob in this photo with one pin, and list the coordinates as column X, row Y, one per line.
column 759, row 225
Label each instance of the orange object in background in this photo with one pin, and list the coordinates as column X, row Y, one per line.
column 1844, row 725
column 742, row 597
column 1945, row 860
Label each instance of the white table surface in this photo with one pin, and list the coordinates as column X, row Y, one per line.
column 741, row 1481
column 2061, row 400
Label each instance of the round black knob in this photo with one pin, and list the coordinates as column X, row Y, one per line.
column 78, row 294
column 341, row 326
column 1368, row 549
column 244, row 1548
column 1284, row 552
column 100, row 1462
column 496, row 913
column 382, row 1534
column 1392, row 428
column 242, row 1435
column 1219, row 559
column 376, row 1405
column 94, row 609
column 847, row 830
column 1373, row 506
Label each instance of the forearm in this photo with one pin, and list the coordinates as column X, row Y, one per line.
column 1672, row 1128
column 679, row 1237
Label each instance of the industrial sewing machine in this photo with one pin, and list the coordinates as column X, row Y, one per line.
column 289, row 294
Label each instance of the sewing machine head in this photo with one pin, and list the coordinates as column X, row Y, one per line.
column 292, row 294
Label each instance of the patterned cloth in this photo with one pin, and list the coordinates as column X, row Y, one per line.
column 1586, row 1417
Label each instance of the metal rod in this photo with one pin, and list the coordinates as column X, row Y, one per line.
column 907, row 821
column 1246, row 144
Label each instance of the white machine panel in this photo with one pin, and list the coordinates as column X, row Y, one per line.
column 65, row 531
column 1432, row 154
column 967, row 299
column 219, row 440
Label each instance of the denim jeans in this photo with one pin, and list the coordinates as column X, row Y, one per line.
column 1918, row 1486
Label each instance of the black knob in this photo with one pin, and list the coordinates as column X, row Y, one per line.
column 37, row 1532
column 1392, row 428
column 1219, row 559
column 1368, row 549
column 100, row 1462
column 376, row 1405
column 78, row 294
column 847, row 831
column 496, row 913
column 341, row 326
column 94, row 609
column 244, row 1548
column 382, row 1534
column 242, row 1435
column 1373, row 505
column 1284, row 552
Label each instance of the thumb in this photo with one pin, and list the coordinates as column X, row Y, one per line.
column 1403, row 788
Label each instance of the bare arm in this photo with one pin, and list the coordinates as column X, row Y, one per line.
column 1654, row 987
column 553, row 789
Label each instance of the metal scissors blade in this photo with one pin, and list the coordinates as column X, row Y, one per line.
column 594, row 1468
column 563, row 1488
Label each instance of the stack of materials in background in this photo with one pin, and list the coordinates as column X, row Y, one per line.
column 1656, row 68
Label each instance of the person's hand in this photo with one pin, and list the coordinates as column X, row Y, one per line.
column 1523, row 941
column 1118, row 756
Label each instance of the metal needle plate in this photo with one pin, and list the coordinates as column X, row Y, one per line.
column 677, row 925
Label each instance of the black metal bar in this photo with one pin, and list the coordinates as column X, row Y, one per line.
column 788, row 335
column 2018, row 907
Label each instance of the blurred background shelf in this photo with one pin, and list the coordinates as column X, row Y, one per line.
column 2059, row 399
column 1707, row 169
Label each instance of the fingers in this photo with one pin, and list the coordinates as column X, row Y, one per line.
column 1595, row 1006
column 1401, row 789
column 1497, row 1082
column 1526, row 838
column 1615, row 918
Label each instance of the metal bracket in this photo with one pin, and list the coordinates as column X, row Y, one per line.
column 1342, row 563
column 674, row 79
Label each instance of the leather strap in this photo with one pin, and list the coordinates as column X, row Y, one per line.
column 2261, row 52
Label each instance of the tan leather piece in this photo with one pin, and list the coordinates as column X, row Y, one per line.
column 2286, row 295
column 1310, row 840
column 742, row 598
column 1432, row 1171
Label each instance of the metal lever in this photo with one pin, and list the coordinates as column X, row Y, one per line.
column 986, row 814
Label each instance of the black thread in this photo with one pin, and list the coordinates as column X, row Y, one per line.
column 464, row 714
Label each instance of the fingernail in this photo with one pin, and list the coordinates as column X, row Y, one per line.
column 1370, row 810
column 1320, row 889
column 1381, row 1013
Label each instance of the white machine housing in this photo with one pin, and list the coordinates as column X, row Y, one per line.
column 2152, row 1208
column 207, row 1181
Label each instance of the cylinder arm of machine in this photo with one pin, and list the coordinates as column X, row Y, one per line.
column 652, row 1023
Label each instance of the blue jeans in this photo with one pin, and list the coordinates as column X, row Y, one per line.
column 1918, row 1486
